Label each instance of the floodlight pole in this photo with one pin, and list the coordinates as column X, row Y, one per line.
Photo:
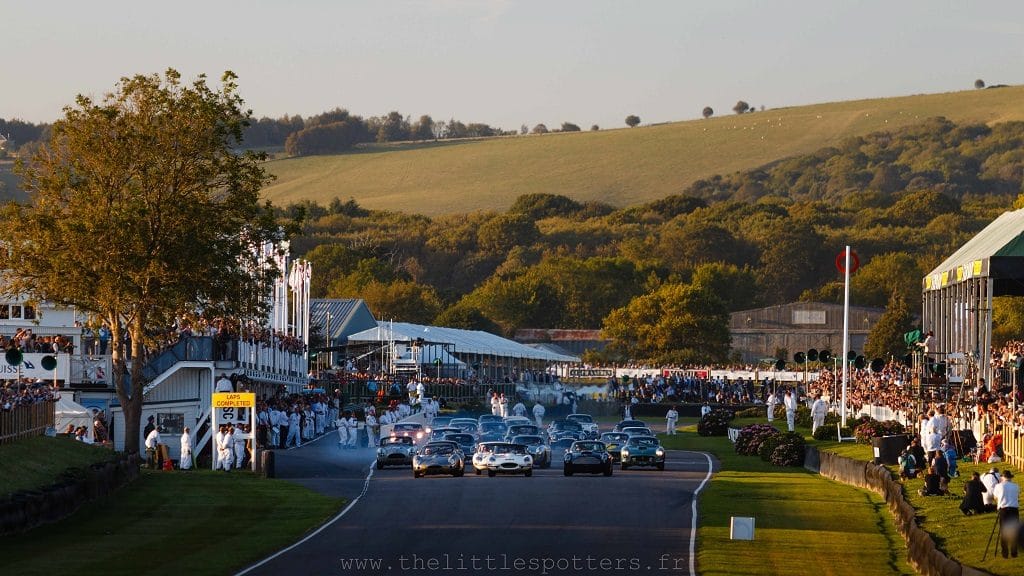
column 846, row 330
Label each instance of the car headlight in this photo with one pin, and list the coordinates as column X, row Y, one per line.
column 427, row 430
column 528, row 459
column 659, row 452
column 625, row 453
column 419, row 435
column 492, row 460
column 452, row 460
column 380, row 452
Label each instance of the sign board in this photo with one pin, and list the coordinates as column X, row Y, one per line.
column 234, row 408
column 591, row 373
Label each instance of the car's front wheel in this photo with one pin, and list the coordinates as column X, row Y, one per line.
column 661, row 465
column 491, row 473
column 608, row 470
column 529, row 472
column 415, row 474
column 380, row 465
column 624, row 465
column 567, row 471
column 477, row 471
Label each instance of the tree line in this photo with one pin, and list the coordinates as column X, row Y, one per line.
column 661, row 276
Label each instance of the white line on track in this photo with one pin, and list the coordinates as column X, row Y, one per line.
column 693, row 515
column 344, row 511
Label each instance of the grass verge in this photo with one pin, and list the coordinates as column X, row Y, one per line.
column 805, row 524
column 198, row 522
column 33, row 462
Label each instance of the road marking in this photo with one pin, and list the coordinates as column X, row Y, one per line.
column 337, row 517
column 693, row 514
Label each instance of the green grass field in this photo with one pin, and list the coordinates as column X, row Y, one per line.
column 621, row 167
column 199, row 522
column 33, row 462
column 805, row 524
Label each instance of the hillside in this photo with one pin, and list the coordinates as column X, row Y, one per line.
column 621, row 167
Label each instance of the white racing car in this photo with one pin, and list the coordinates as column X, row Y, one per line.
column 507, row 458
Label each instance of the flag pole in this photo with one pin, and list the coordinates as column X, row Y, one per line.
column 846, row 330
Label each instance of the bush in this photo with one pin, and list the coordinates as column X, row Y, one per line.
column 715, row 423
column 828, row 431
column 751, row 437
column 751, row 412
column 790, row 451
column 768, row 446
column 803, row 416
column 874, row 429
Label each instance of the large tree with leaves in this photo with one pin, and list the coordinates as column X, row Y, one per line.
column 139, row 210
column 885, row 340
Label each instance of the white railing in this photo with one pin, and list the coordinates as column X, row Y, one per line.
column 272, row 363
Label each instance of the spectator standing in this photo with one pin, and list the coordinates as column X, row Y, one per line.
column 772, row 401
column 1007, row 495
column 538, row 413
column 186, row 450
column 818, row 410
column 104, row 338
column 790, row 403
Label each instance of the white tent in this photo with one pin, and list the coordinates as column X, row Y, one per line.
column 70, row 412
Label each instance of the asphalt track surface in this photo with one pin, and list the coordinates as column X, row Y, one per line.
column 635, row 522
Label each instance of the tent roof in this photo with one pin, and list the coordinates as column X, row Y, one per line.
column 462, row 341
column 989, row 253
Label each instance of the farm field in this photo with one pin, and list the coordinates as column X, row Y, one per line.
column 621, row 167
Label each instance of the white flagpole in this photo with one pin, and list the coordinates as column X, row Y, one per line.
column 846, row 330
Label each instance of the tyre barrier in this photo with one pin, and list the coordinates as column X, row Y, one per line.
column 26, row 509
column 921, row 550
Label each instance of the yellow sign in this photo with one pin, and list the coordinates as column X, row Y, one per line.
column 234, row 400
column 977, row 267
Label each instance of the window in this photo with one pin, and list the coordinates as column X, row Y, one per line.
column 808, row 317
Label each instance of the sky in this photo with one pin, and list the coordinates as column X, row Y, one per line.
column 511, row 62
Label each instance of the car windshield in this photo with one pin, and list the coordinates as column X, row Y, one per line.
column 490, row 418
column 615, row 437
column 403, row 441
column 636, row 431
column 631, row 424
column 581, row 418
column 592, row 446
column 644, row 442
column 493, row 427
column 528, row 440
column 406, row 427
column 480, row 448
column 460, row 438
column 567, row 425
column 509, row 449
column 438, row 449
column 462, row 422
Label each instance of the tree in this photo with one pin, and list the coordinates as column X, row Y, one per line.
column 570, row 127
column 741, row 107
column 885, row 340
column 140, row 210
column 979, row 83
column 676, row 323
column 423, row 129
column 708, row 112
column 540, row 129
column 632, row 120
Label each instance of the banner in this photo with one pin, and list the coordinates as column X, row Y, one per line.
column 32, row 367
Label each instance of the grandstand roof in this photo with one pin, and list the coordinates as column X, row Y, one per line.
column 996, row 252
column 461, row 341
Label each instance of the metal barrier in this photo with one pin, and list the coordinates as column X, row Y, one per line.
column 361, row 391
column 25, row 421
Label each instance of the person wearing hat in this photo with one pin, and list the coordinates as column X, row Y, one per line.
column 1007, row 495
column 149, row 427
column 990, row 479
